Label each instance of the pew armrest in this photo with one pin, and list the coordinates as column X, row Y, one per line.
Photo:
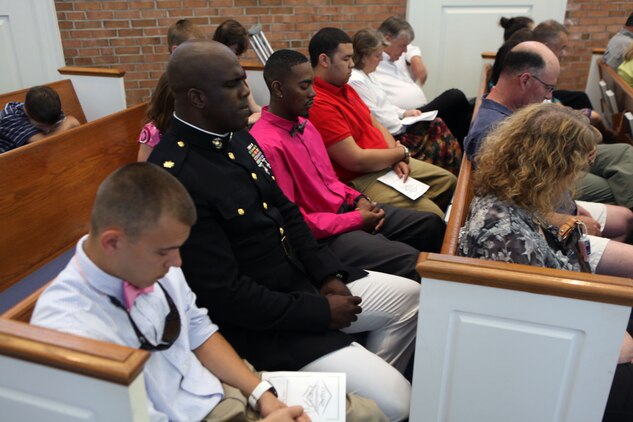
column 545, row 281
column 92, row 358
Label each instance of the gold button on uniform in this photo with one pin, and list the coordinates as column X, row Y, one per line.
column 231, row 156
column 181, row 144
column 281, row 230
column 241, row 211
column 168, row 164
column 254, row 176
column 265, row 205
column 273, row 177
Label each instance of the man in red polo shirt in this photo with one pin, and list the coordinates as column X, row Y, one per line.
column 361, row 149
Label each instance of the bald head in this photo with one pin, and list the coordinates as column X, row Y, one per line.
column 206, row 74
column 529, row 75
column 550, row 61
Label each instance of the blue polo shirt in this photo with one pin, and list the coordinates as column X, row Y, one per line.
column 490, row 113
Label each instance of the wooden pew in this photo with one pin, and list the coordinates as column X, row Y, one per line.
column 499, row 342
column 45, row 207
column 624, row 100
column 49, row 187
column 463, row 190
column 67, row 95
column 101, row 381
column 623, row 91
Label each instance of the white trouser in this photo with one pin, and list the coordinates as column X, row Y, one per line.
column 390, row 314
column 598, row 244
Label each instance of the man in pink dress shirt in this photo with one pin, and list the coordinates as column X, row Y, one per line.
column 362, row 233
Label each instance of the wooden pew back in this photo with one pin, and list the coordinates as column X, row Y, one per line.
column 490, row 334
column 623, row 91
column 463, row 190
column 67, row 95
column 50, row 186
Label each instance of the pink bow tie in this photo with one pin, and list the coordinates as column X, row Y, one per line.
column 131, row 292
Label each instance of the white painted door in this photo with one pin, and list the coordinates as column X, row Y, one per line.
column 30, row 44
column 453, row 33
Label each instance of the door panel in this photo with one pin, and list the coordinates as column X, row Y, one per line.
column 452, row 35
column 30, row 44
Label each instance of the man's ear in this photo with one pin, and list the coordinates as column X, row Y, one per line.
column 196, row 98
column 110, row 240
column 523, row 79
column 324, row 60
column 276, row 89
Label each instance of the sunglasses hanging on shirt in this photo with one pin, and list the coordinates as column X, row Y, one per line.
column 170, row 332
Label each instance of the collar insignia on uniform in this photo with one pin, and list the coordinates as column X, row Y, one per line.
column 218, row 143
column 168, row 164
column 259, row 158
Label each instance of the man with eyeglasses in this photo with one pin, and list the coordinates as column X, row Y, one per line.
column 124, row 286
column 529, row 75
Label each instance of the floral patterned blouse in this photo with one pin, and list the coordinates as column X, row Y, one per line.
column 499, row 231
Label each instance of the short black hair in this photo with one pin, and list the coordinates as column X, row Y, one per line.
column 231, row 32
column 521, row 61
column 512, row 25
column 280, row 63
column 629, row 21
column 326, row 41
column 43, row 105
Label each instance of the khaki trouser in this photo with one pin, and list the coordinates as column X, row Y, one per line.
column 234, row 408
column 435, row 200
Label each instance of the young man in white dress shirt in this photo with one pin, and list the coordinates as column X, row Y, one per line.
column 124, row 286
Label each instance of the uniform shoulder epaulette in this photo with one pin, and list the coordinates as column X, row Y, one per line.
column 171, row 153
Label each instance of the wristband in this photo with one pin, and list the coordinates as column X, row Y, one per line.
column 258, row 392
column 407, row 154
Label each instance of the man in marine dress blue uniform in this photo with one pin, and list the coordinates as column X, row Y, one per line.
column 283, row 302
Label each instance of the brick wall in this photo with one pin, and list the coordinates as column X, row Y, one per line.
column 591, row 23
column 132, row 34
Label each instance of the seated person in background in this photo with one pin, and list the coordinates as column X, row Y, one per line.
column 614, row 53
column 614, row 162
column 124, row 280
column 361, row 233
column 524, row 167
column 283, row 301
column 39, row 116
column 512, row 25
column 529, row 73
column 161, row 105
column 181, row 31
column 429, row 141
column 554, row 35
column 232, row 34
column 361, row 149
column 625, row 70
column 157, row 118
column 402, row 91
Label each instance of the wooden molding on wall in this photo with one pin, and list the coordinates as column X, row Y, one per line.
column 91, row 71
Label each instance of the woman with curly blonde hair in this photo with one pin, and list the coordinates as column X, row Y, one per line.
column 523, row 169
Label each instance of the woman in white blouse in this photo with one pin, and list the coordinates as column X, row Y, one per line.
column 429, row 140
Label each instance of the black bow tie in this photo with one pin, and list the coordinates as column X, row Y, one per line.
column 298, row 128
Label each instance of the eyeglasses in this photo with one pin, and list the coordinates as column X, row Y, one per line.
column 548, row 87
column 170, row 332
